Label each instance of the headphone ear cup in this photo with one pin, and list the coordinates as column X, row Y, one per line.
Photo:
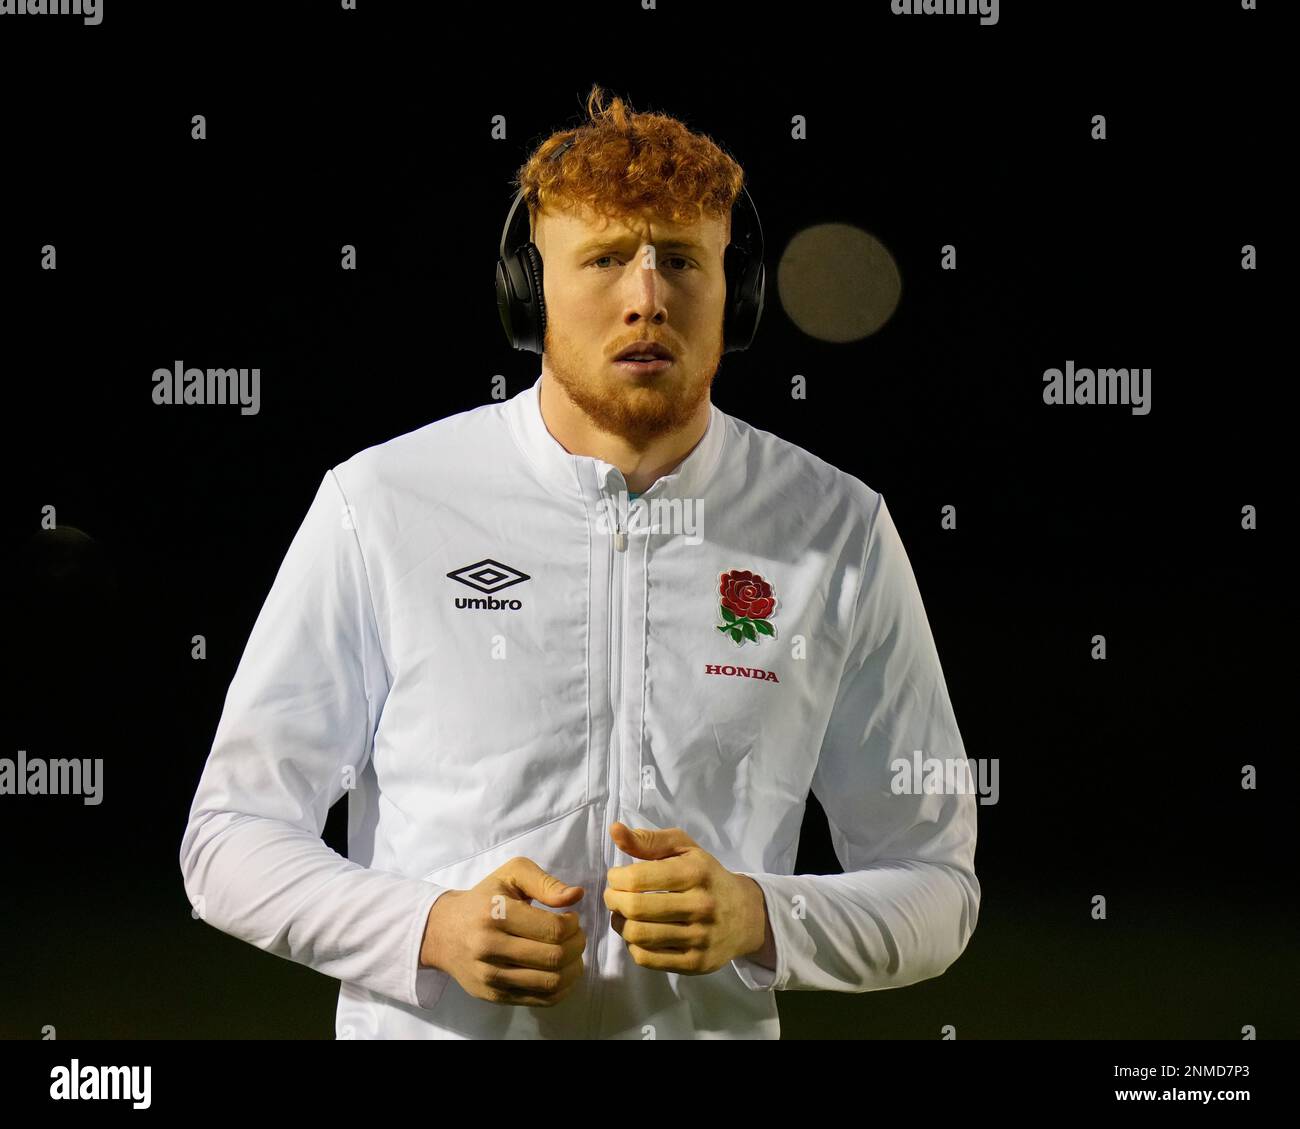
column 531, row 261
column 505, row 301
column 746, row 292
column 757, row 296
column 520, row 303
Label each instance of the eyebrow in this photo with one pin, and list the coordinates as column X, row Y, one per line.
column 616, row 244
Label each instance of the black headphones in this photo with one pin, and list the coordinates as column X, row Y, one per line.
column 521, row 301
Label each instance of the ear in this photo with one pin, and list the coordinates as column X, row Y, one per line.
column 537, row 227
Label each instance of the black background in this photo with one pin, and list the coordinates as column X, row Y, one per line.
column 325, row 127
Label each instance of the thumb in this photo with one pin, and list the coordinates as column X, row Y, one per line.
column 533, row 882
column 650, row 843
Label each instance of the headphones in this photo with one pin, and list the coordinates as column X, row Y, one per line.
column 521, row 301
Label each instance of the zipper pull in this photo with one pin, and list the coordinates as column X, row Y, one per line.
column 620, row 538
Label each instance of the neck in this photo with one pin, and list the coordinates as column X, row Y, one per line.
column 642, row 463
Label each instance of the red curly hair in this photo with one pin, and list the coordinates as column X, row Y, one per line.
column 622, row 163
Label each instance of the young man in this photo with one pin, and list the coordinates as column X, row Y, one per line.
column 591, row 647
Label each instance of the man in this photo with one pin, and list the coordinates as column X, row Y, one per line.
column 535, row 691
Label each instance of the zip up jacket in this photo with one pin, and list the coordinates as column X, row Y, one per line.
column 478, row 639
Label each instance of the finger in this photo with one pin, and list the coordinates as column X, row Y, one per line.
column 690, row 906
column 536, row 924
column 664, row 938
column 526, row 881
column 530, row 985
column 686, row 963
column 516, row 952
column 678, row 873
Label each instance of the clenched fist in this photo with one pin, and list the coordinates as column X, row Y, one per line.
column 499, row 947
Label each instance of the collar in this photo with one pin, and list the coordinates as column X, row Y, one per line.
column 560, row 469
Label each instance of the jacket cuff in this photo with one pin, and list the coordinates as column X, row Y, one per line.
column 427, row 984
column 754, row 976
column 757, row 977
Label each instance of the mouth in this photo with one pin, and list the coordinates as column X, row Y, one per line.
column 644, row 357
column 658, row 364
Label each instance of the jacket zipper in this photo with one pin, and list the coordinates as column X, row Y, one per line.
column 618, row 544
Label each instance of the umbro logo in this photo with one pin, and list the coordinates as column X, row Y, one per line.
column 490, row 577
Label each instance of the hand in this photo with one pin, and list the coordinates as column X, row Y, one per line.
column 706, row 916
column 499, row 947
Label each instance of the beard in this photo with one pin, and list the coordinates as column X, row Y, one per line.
column 637, row 409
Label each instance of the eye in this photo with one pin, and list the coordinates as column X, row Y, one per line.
column 671, row 258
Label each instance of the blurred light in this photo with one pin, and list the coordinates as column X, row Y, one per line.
column 837, row 282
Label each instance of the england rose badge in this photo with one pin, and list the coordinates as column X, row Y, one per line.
column 747, row 605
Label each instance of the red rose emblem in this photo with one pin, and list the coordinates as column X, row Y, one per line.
column 747, row 601
column 746, row 594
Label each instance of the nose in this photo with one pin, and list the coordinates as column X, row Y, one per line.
column 647, row 300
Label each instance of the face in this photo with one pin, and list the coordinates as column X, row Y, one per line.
column 606, row 289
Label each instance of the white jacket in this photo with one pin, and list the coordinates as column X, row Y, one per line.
column 465, row 734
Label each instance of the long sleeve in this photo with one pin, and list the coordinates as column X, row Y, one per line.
column 297, row 727
column 908, row 900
